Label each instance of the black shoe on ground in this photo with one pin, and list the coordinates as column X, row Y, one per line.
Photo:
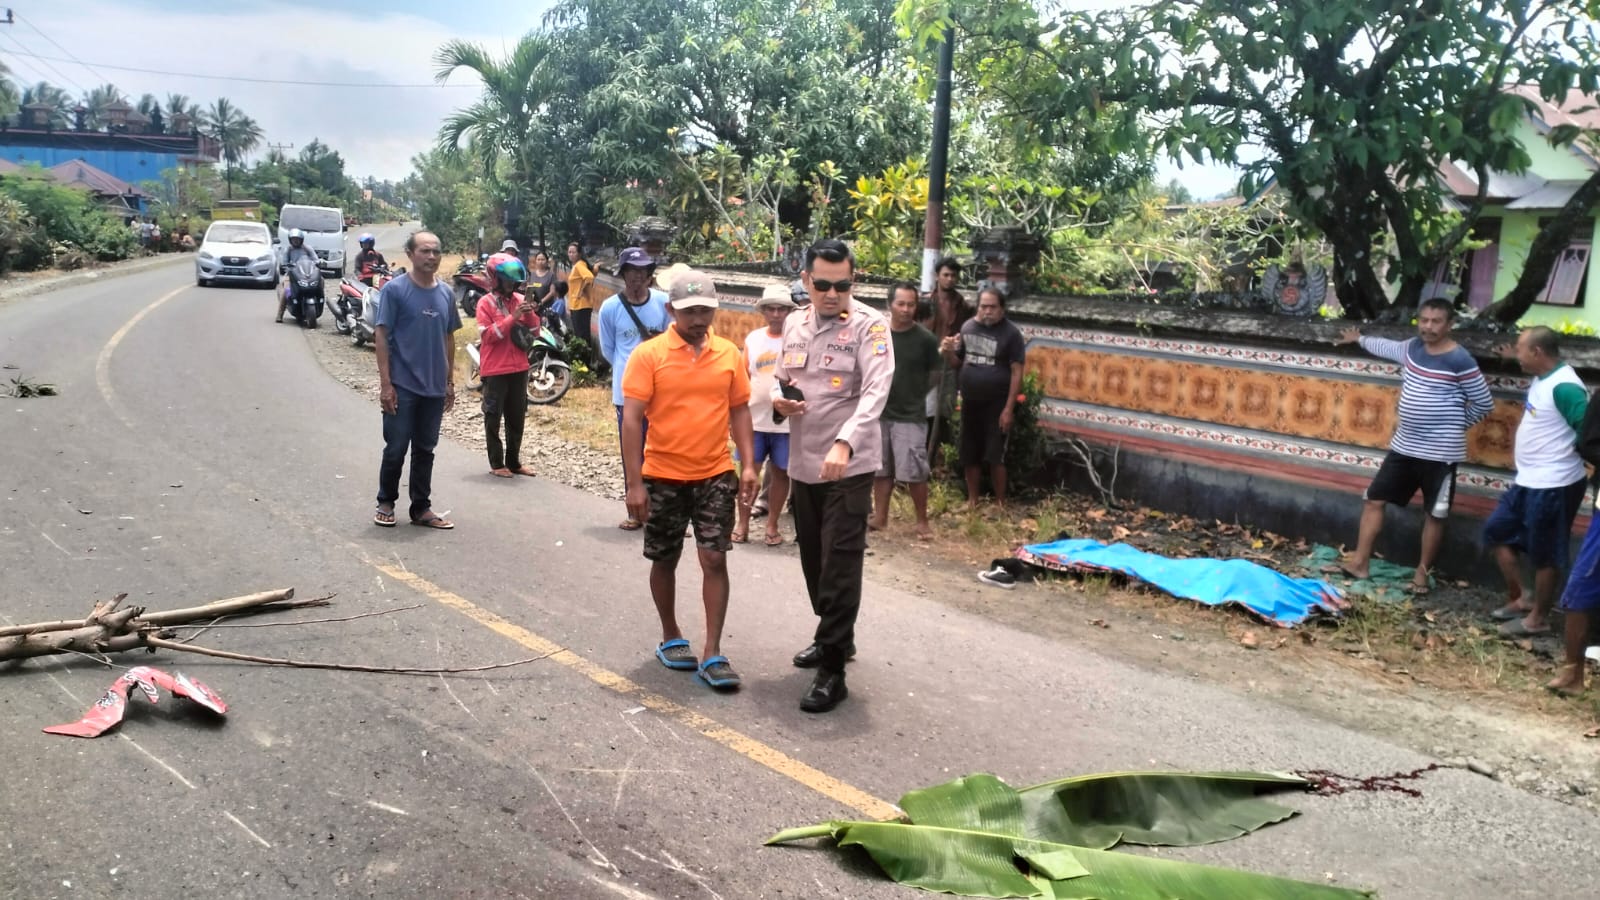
column 827, row 691
column 999, row 578
column 811, row 656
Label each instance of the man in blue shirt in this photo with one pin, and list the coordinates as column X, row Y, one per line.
column 628, row 319
column 415, row 341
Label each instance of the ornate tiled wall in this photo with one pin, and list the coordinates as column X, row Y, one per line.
column 1280, row 406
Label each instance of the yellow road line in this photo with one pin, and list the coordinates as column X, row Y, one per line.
column 740, row 743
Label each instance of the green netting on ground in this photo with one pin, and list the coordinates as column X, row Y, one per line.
column 1386, row 581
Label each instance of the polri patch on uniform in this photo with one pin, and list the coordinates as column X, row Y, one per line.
column 880, row 348
column 877, row 328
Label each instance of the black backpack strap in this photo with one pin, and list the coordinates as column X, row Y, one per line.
column 644, row 333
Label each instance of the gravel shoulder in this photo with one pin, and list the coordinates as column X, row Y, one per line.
column 1531, row 742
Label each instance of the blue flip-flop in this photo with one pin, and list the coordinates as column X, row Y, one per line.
column 719, row 674
column 675, row 654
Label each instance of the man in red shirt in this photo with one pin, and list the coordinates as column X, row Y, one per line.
column 692, row 386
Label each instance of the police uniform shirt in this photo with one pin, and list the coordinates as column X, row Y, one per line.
column 844, row 366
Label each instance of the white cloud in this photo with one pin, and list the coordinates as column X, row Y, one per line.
column 376, row 130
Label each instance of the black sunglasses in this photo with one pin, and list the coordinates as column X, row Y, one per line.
column 823, row 286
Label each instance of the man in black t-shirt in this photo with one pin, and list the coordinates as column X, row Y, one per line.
column 989, row 352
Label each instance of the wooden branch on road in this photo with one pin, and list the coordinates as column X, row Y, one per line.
column 156, row 643
column 109, row 624
column 112, row 628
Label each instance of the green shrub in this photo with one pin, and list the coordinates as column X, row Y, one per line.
column 66, row 226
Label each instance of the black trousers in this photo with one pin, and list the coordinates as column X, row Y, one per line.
column 581, row 320
column 505, row 396
column 830, row 523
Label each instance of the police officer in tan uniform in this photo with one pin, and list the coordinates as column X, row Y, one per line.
column 838, row 354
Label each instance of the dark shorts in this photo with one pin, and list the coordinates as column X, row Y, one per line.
column 982, row 441
column 1401, row 476
column 1583, row 588
column 709, row 504
column 1537, row 521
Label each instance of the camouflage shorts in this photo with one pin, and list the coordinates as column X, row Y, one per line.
column 709, row 504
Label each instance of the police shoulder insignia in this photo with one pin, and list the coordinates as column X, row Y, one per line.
column 880, row 348
column 877, row 328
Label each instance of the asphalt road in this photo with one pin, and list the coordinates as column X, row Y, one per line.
column 197, row 451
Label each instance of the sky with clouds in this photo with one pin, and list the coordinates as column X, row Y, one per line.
column 377, row 129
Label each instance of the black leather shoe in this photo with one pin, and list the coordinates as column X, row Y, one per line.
column 827, row 691
column 812, row 655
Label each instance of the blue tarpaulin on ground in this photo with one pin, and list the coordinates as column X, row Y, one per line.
column 1267, row 593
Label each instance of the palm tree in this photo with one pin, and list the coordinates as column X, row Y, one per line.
column 508, row 121
column 234, row 131
column 56, row 98
column 180, row 105
column 95, row 102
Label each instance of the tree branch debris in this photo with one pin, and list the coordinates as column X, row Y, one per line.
column 112, row 628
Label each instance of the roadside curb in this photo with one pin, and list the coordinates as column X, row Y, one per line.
column 88, row 276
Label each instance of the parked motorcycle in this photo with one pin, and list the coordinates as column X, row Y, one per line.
column 305, row 291
column 549, row 365
column 346, row 306
column 363, row 302
column 471, row 282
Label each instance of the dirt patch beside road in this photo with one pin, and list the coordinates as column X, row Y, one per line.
column 1371, row 677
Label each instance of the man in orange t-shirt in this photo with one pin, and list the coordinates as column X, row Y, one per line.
column 692, row 387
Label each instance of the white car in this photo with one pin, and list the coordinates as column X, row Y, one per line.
column 236, row 251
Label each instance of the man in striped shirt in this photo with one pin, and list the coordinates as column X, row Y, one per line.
column 1442, row 394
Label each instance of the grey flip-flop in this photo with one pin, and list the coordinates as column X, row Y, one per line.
column 1517, row 629
column 1507, row 613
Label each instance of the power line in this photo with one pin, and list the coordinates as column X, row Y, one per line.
column 29, row 23
column 338, row 84
column 46, row 61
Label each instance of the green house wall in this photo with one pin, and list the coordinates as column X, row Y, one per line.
column 1518, row 229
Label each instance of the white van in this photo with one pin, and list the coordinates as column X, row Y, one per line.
column 323, row 227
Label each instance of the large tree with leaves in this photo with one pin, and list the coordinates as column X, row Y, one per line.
column 1349, row 107
column 614, row 93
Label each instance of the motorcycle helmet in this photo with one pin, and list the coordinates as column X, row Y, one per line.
column 296, row 234
column 509, row 272
column 366, row 239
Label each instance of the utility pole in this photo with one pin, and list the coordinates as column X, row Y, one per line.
column 933, row 226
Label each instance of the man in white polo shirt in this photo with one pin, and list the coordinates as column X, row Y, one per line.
column 1534, row 518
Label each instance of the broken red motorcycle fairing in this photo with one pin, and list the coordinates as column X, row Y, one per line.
column 107, row 712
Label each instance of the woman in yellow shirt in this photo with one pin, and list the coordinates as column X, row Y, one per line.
column 580, row 303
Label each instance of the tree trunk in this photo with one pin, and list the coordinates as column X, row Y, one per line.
column 1544, row 252
column 1359, row 291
